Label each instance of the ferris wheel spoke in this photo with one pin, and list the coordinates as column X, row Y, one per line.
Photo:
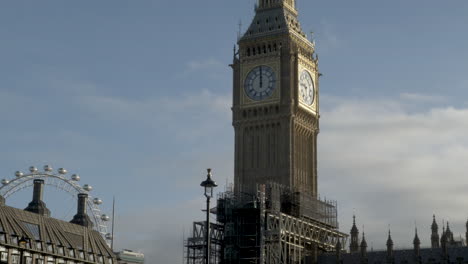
column 21, row 181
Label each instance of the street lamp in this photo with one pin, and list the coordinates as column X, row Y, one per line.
column 209, row 185
column 22, row 243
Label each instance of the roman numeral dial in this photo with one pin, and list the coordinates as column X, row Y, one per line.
column 260, row 83
column 306, row 88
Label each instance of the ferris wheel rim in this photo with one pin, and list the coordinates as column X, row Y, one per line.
column 22, row 181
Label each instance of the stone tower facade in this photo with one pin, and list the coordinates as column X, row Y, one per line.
column 276, row 102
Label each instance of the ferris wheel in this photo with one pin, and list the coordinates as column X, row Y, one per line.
column 61, row 182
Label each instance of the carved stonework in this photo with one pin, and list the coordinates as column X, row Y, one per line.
column 275, row 136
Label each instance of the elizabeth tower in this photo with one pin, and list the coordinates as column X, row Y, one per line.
column 276, row 102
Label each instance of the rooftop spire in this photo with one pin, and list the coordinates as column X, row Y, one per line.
column 389, row 247
column 466, row 234
column 435, row 233
column 416, row 240
column 389, row 239
column 354, row 245
column 363, row 248
column 434, row 225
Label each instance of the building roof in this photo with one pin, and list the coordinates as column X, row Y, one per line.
column 17, row 223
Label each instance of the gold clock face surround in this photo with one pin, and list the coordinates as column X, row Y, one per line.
column 306, row 88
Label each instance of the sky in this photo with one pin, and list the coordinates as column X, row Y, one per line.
column 135, row 97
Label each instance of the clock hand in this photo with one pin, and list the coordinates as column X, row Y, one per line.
column 261, row 78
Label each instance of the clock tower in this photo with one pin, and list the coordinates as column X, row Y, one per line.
column 276, row 102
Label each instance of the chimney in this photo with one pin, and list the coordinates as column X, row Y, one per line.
column 2, row 200
column 81, row 218
column 37, row 205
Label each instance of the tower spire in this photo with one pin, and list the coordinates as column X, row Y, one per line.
column 416, row 243
column 389, row 246
column 354, row 245
column 435, row 233
column 363, row 248
column 466, row 235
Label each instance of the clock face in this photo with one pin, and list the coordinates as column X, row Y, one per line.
column 260, row 83
column 306, row 88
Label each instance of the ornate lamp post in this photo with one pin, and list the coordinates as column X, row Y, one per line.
column 209, row 185
column 22, row 244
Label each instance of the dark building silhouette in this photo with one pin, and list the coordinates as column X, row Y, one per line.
column 445, row 250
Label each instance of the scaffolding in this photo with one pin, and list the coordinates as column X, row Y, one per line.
column 277, row 226
column 194, row 246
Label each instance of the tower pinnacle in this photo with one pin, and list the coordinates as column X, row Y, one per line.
column 354, row 245
column 435, row 233
column 389, row 246
column 416, row 243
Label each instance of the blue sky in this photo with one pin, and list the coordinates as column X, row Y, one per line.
column 135, row 97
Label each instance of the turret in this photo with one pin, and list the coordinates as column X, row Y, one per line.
column 449, row 235
column 338, row 251
column 37, row 205
column 363, row 249
column 354, row 245
column 466, row 234
column 416, row 244
column 389, row 248
column 444, row 244
column 435, row 234
column 81, row 218
column 443, row 237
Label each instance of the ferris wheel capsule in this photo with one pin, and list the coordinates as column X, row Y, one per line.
column 75, row 177
column 48, row 168
column 87, row 187
column 5, row 182
column 97, row 201
column 105, row 217
column 33, row 169
column 62, row 171
column 108, row 236
column 19, row 174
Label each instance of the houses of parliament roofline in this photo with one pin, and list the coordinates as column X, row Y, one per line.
column 446, row 249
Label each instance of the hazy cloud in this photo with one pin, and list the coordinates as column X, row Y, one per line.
column 395, row 166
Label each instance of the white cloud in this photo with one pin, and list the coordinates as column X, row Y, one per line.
column 394, row 165
column 423, row 98
column 206, row 64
